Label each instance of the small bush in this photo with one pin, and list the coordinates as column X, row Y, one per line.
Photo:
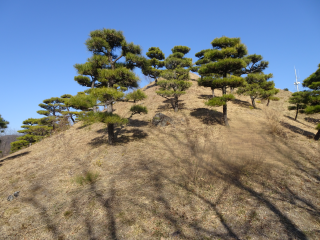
column 285, row 89
column 67, row 214
column 274, row 124
column 88, row 178
column 258, row 101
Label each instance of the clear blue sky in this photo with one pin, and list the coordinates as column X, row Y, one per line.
column 42, row 40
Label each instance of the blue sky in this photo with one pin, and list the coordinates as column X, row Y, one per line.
column 42, row 40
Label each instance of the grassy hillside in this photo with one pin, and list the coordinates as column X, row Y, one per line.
column 194, row 179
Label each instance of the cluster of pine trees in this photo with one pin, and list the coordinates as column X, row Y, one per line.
column 108, row 74
column 308, row 101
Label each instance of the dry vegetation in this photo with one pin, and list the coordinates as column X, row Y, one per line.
column 194, row 179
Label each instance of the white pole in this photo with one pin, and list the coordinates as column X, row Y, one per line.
column 296, row 83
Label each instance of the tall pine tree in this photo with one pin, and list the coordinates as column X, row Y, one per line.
column 113, row 77
column 313, row 82
column 300, row 100
column 176, row 76
column 223, row 60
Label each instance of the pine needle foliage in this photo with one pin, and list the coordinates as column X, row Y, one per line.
column 138, row 109
column 53, row 110
column 72, row 115
column 3, row 124
column 313, row 82
column 176, row 76
column 34, row 130
column 154, row 64
column 111, row 78
column 217, row 67
column 300, row 101
column 257, row 85
column 136, row 95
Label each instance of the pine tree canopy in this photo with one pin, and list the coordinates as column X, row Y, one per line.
column 155, row 53
column 90, row 69
column 258, row 86
column 34, row 130
column 313, row 81
column 52, row 106
column 136, row 95
column 3, row 124
column 151, row 68
column 300, row 101
column 121, row 76
column 105, row 94
column 176, row 75
column 254, row 64
column 68, row 112
column 83, row 101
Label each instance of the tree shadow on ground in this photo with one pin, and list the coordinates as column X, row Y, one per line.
column 208, row 116
column 122, row 136
column 128, row 135
column 312, row 120
column 137, row 123
column 168, row 105
column 232, row 174
column 297, row 130
column 205, row 96
column 241, row 103
column 151, row 86
column 291, row 118
column 14, row 157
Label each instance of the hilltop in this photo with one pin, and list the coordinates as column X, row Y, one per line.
column 194, row 179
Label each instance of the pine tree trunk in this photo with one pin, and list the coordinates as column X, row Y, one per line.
column 72, row 118
column 110, row 126
column 253, row 102
column 176, row 103
column 212, row 92
column 225, row 116
column 268, row 102
column 297, row 112
column 111, row 134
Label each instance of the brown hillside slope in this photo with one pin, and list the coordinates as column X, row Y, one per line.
column 191, row 180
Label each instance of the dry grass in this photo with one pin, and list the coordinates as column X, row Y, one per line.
column 191, row 180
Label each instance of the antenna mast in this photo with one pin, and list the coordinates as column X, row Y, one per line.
column 296, row 82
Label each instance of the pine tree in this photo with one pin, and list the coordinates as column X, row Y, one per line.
column 67, row 106
column 269, row 95
column 3, row 124
column 313, row 82
column 155, row 61
column 256, row 86
column 300, row 101
column 34, row 130
column 222, row 61
column 176, row 76
column 114, row 77
column 53, row 108
column 136, row 95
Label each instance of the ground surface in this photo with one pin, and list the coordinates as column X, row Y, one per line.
column 194, row 179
